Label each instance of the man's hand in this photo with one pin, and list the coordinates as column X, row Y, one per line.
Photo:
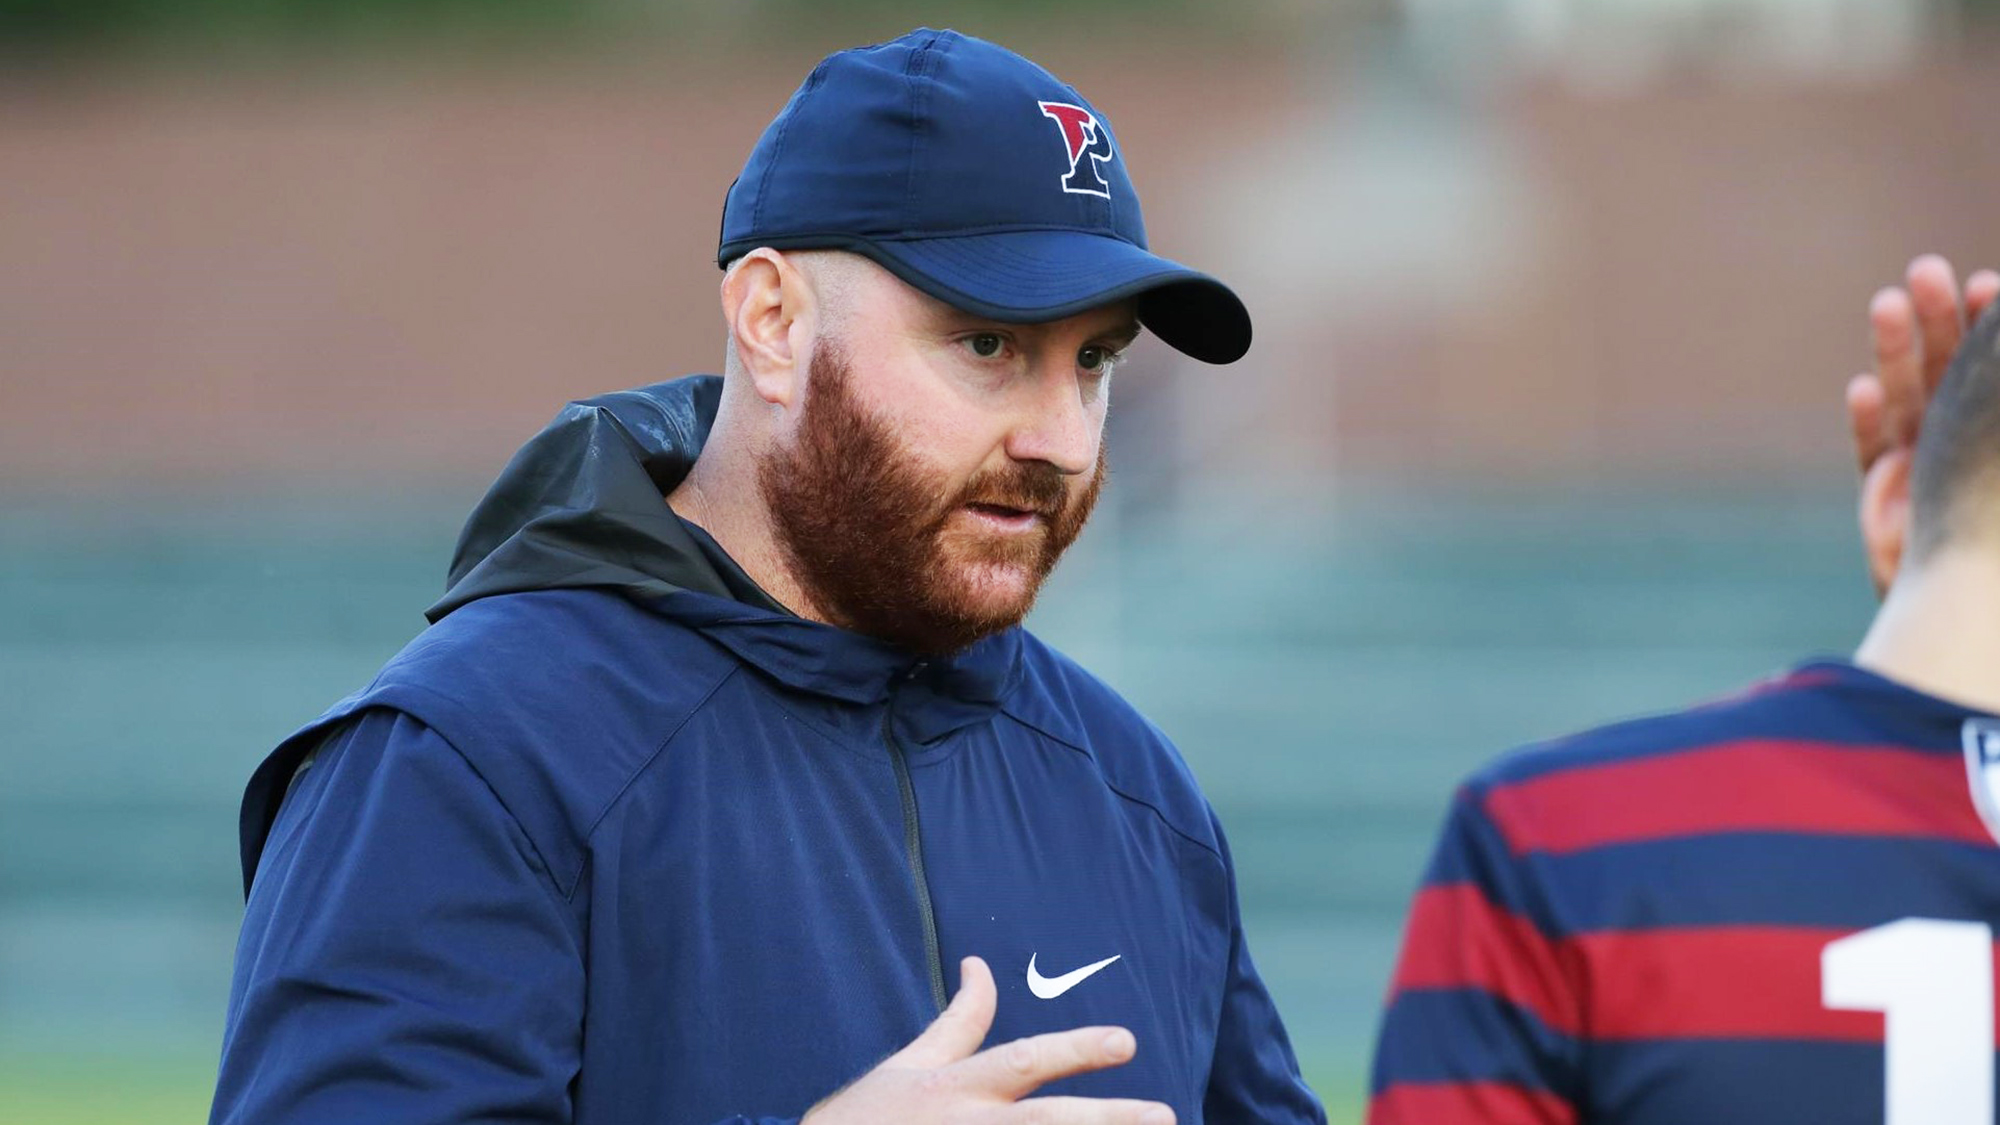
column 939, row 1080
column 1915, row 328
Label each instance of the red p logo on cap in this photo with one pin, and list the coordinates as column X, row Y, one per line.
column 1082, row 136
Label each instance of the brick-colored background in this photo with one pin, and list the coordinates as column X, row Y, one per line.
column 363, row 272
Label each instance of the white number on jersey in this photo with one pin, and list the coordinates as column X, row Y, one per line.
column 1935, row 982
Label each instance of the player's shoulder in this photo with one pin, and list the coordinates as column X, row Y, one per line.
column 1063, row 701
column 1793, row 705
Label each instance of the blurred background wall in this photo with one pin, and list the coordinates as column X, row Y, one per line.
column 1555, row 300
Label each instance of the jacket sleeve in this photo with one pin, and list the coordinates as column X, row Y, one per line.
column 1255, row 1078
column 404, row 957
column 1481, row 1026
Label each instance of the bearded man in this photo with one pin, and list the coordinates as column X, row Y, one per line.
column 726, row 761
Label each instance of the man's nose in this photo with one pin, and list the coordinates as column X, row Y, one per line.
column 1057, row 423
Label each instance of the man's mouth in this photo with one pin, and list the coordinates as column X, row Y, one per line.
column 1006, row 517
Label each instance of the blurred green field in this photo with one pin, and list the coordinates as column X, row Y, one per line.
column 80, row 1090
column 93, row 1090
column 1329, row 684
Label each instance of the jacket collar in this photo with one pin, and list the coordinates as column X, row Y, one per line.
column 932, row 698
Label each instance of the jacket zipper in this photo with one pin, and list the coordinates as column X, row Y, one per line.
column 913, row 844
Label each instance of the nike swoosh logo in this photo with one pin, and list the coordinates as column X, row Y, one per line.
column 1048, row 988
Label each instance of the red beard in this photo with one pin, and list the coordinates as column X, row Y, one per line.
column 871, row 537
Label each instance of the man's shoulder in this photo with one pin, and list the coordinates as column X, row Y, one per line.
column 556, row 698
column 1785, row 708
column 1068, row 704
column 1677, row 787
column 541, row 655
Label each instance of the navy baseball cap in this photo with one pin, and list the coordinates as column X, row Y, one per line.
column 977, row 177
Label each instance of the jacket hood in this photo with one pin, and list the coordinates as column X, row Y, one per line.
column 581, row 504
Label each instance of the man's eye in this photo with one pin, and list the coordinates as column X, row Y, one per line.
column 986, row 345
column 1094, row 358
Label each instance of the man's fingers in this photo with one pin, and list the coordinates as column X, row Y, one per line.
column 1892, row 323
column 1016, row 1069
column 1934, row 293
column 1980, row 289
column 961, row 1027
column 1915, row 330
column 1864, row 414
column 1089, row 1111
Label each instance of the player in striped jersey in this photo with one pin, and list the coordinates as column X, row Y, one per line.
column 1778, row 908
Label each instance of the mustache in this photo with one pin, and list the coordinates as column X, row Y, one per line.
column 1033, row 486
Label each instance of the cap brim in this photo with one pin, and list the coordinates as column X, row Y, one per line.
column 1037, row 275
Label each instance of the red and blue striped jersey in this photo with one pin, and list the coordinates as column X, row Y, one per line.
column 1775, row 908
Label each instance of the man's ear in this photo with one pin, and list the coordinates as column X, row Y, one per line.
column 1885, row 516
column 769, row 306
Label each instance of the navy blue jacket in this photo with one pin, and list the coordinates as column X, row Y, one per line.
column 618, row 840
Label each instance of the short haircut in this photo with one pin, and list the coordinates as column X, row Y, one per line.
column 1955, row 482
